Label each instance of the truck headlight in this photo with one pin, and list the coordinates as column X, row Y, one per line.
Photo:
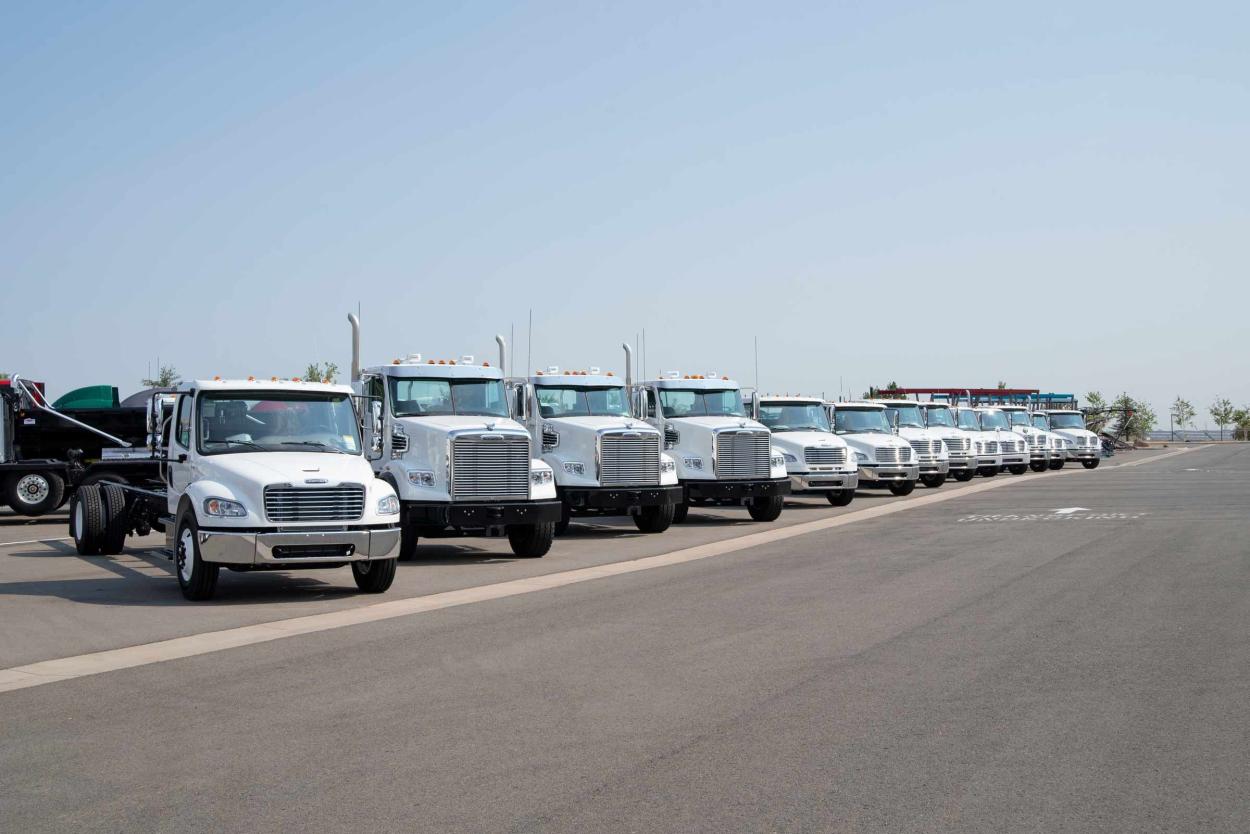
column 420, row 477
column 667, row 466
column 860, row 457
column 540, row 476
column 789, row 458
column 575, row 468
column 693, row 463
column 388, row 505
column 224, row 508
column 778, row 460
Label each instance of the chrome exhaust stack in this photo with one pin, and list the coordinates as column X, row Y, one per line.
column 503, row 354
column 355, row 321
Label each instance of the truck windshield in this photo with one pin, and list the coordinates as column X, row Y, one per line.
column 860, row 421
column 1019, row 418
column 466, row 397
column 794, row 416
column 968, row 420
column 277, row 421
column 993, row 420
column 1039, row 422
column 701, row 402
column 940, row 417
column 909, row 416
column 581, row 401
column 1067, row 421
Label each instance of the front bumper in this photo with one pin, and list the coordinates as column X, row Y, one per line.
column 1085, row 453
column 889, row 472
column 934, row 466
column 736, row 490
column 1015, row 458
column 480, row 515
column 987, row 461
column 620, row 498
column 959, row 464
column 823, row 481
column 290, row 550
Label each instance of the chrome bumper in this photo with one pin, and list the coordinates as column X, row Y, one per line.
column 985, row 461
column 1085, row 453
column 889, row 472
column 934, row 467
column 823, row 481
column 310, row 547
column 958, row 462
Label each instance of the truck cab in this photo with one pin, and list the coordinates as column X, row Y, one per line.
column 257, row 476
column 817, row 460
column 1058, row 443
column 1083, row 444
column 721, row 455
column 1038, row 441
column 884, row 458
column 986, row 443
column 960, row 443
column 606, row 461
column 931, row 453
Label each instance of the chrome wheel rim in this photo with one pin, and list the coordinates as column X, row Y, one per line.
column 78, row 519
column 32, row 489
column 186, row 554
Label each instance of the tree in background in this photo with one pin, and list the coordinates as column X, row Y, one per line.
column 166, row 377
column 1182, row 413
column 1137, row 418
column 1002, row 385
column 1223, row 413
column 4, row 377
column 1241, row 423
column 1095, row 411
column 316, row 372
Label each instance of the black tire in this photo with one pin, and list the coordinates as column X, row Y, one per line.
column 933, row 481
column 86, row 520
column 566, row 516
column 965, row 475
column 35, row 493
column 902, row 487
column 531, row 541
column 680, row 511
column 1091, row 464
column 374, row 576
column 654, row 519
column 1018, row 468
column 1039, row 466
column 840, row 497
column 116, row 519
column 766, row 508
column 987, row 471
column 1057, row 464
column 196, row 578
column 407, row 542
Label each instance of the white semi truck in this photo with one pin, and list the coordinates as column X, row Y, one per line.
column 1083, row 444
column 722, row 456
column 1038, row 441
column 1058, row 443
column 961, row 445
column 931, row 452
column 256, row 476
column 817, row 460
column 606, row 461
column 440, row 432
column 986, row 443
column 884, row 458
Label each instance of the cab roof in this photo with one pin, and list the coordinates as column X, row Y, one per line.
column 860, row 405
column 262, row 385
column 431, row 369
column 554, row 375
column 790, row 398
column 705, row 382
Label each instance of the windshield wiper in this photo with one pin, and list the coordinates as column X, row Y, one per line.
column 316, row 443
column 249, row 444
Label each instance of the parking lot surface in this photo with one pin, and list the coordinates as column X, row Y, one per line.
column 1065, row 651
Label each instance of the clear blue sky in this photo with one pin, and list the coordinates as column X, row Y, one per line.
column 1054, row 195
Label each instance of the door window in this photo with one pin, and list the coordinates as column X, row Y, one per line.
column 184, row 422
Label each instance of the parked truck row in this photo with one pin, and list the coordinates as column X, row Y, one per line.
column 287, row 474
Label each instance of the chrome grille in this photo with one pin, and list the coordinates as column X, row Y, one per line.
column 742, row 453
column 991, row 447
column 957, row 444
column 630, row 458
column 345, row 502
column 894, row 454
column 824, row 456
column 490, row 467
column 923, row 448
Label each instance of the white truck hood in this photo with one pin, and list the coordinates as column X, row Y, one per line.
column 264, row 468
column 873, row 440
column 792, row 441
column 1074, row 434
column 456, row 422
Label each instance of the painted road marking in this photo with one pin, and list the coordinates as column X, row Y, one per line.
column 1068, row 510
column 68, row 668
column 37, row 541
column 1055, row 516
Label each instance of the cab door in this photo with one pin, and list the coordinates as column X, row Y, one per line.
column 178, row 467
column 372, row 417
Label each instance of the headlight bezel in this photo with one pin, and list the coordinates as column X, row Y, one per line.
column 388, row 505
column 421, row 477
column 218, row 507
column 541, row 477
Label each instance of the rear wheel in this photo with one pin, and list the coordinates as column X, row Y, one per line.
column 1018, row 468
column 933, row 481
column 374, row 577
column 902, row 487
column 196, row 578
column 654, row 519
column 840, row 497
column 767, row 508
column 115, row 519
column 36, row 493
column 965, row 475
column 680, row 511
column 86, row 520
column 1057, row 464
column 1091, row 464
column 531, row 541
column 1039, row 466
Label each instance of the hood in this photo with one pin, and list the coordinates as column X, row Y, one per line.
column 287, row 467
column 945, row 432
column 874, row 440
column 594, row 424
column 717, row 423
column 913, row 433
column 1074, row 433
column 799, row 440
column 455, row 422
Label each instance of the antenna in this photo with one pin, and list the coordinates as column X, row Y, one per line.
column 529, row 344
column 757, row 363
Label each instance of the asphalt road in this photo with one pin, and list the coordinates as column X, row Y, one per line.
column 1067, row 652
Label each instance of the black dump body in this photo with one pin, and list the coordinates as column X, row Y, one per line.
column 39, row 435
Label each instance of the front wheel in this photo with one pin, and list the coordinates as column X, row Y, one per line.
column 375, row 576
column 86, row 520
column 36, row 493
column 840, row 497
column 902, row 487
column 1039, row 466
column 933, row 481
column 531, row 541
column 987, row 471
column 767, row 508
column 680, row 511
column 1057, row 464
column 654, row 519
column 407, row 542
column 1018, row 468
column 1091, row 464
column 196, row 578
column 964, row 475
